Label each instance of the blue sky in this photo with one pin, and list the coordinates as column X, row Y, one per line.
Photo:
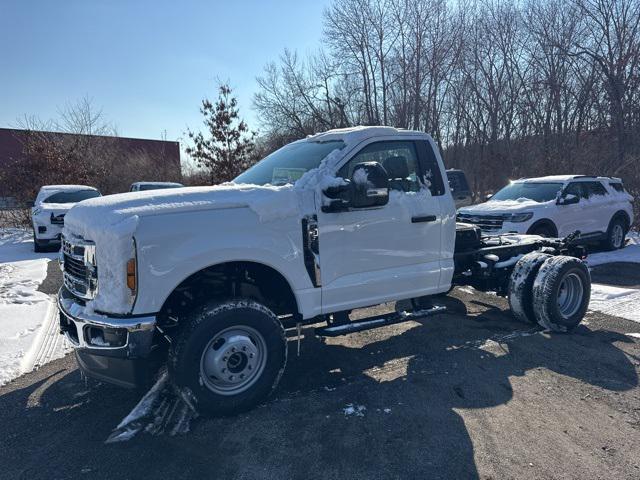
column 146, row 63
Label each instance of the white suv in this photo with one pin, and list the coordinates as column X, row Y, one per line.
column 556, row 206
column 51, row 205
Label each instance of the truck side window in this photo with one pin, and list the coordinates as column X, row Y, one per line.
column 399, row 158
column 431, row 174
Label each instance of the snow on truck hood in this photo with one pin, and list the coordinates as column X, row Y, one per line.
column 104, row 213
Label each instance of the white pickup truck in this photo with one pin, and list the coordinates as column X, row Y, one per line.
column 207, row 279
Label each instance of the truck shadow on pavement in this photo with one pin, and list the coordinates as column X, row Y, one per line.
column 414, row 380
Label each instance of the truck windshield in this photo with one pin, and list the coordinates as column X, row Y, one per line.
column 289, row 163
column 536, row 191
column 71, row 197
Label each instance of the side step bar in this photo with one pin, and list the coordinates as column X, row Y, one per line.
column 377, row 322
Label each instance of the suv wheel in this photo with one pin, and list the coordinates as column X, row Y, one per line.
column 616, row 234
column 543, row 230
column 230, row 356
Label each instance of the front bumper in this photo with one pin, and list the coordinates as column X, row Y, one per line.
column 114, row 349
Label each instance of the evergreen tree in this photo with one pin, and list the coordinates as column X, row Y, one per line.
column 227, row 149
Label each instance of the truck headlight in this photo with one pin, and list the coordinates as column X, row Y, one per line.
column 518, row 217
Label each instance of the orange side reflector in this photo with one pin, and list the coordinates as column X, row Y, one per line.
column 131, row 274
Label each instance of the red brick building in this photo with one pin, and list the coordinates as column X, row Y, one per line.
column 127, row 160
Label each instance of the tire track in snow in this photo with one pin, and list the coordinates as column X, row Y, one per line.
column 48, row 344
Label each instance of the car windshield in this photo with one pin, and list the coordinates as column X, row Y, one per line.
column 71, row 197
column 536, row 191
column 289, row 163
column 156, row 186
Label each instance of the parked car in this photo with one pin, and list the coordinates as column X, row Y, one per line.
column 599, row 207
column 142, row 186
column 459, row 187
column 207, row 280
column 49, row 209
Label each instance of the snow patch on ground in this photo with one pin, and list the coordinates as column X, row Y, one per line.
column 630, row 253
column 23, row 310
column 615, row 301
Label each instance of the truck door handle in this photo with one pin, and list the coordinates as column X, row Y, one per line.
column 424, row 218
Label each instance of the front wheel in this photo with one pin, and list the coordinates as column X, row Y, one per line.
column 230, row 355
column 36, row 246
column 561, row 293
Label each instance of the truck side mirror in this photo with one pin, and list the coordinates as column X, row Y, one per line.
column 370, row 185
column 488, row 196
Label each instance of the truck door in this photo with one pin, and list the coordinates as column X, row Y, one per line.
column 372, row 255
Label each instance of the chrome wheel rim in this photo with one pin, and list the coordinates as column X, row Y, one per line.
column 570, row 295
column 617, row 235
column 233, row 360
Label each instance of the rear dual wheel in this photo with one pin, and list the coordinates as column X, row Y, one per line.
column 561, row 293
column 553, row 291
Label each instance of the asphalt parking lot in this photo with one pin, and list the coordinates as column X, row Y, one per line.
column 470, row 393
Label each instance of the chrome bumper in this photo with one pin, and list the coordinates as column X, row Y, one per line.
column 130, row 335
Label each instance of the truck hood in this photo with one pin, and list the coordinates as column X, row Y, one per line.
column 111, row 223
column 505, row 206
column 104, row 213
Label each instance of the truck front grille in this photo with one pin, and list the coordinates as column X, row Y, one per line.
column 79, row 268
column 57, row 220
column 487, row 223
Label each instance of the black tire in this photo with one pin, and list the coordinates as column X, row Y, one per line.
column 543, row 230
column 36, row 246
column 521, row 285
column 615, row 234
column 555, row 310
column 188, row 369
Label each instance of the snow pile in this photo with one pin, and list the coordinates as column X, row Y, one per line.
column 23, row 309
column 630, row 253
column 615, row 301
column 163, row 408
